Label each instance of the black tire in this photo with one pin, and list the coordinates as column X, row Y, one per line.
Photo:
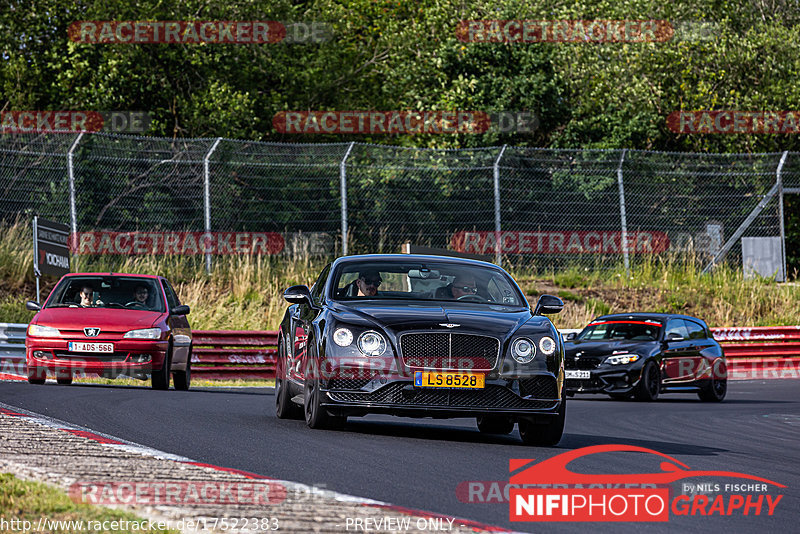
column 160, row 379
column 715, row 388
column 649, row 385
column 36, row 376
column 495, row 425
column 316, row 416
column 620, row 396
column 284, row 407
column 182, row 380
column 544, row 435
column 64, row 380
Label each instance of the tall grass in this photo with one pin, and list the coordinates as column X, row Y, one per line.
column 245, row 292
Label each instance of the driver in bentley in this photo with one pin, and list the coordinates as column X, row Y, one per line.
column 463, row 284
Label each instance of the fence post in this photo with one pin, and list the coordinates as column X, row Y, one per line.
column 343, row 192
column 207, row 196
column 779, row 180
column 498, row 257
column 73, row 211
column 623, row 217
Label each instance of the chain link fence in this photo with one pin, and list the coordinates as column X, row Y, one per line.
column 543, row 208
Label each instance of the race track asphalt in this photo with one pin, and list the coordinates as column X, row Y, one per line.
column 421, row 463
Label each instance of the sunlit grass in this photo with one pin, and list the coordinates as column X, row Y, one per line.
column 245, row 292
column 31, row 501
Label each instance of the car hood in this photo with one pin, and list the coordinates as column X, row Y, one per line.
column 606, row 347
column 105, row 318
column 495, row 320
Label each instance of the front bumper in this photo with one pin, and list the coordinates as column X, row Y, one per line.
column 397, row 395
column 130, row 356
column 612, row 379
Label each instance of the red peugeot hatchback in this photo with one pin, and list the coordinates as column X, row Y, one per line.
column 110, row 324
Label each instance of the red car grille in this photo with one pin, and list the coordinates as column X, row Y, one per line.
column 444, row 350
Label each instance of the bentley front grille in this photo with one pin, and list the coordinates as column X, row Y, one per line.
column 449, row 351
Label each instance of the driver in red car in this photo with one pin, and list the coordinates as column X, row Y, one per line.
column 140, row 294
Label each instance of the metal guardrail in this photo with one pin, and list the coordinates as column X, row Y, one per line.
column 752, row 352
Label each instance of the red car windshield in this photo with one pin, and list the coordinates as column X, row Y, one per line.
column 630, row 330
column 113, row 292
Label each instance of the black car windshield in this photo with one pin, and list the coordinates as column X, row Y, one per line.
column 113, row 292
column 433, row 281
column 630, row 330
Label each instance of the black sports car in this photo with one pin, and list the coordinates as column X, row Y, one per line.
column 644, row 354
column 421, row 336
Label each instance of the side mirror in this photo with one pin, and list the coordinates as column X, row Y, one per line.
column 570, row 336
column 183, row 309
column 298, row 295
column 548, row 304
column 33, row 306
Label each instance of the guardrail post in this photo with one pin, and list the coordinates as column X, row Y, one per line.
column 623, row 217
column 73, row 212
column 343, row 192
column 498, row 257
column 207, row 196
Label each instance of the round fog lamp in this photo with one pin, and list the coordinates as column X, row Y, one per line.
column 547, row 345
column 342, row 337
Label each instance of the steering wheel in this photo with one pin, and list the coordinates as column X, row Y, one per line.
column 134, row 304
column 472, row 298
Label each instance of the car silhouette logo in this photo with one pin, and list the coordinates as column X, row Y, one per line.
column 91, row 332
column 449, row 325
column 554, row 470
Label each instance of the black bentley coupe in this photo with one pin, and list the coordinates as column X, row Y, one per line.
column 644, row 354
column 421, row 336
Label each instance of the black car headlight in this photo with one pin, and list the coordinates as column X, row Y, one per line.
column 621, row 359
column 343, row 337
column 371, row 343
column 547, row 345
column 523, row 350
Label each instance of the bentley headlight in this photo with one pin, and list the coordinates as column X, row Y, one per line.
column 523, row 350
column 371, row 343
column 621, row 359
column 342, row 337
column 37, row 330
column 547, row 345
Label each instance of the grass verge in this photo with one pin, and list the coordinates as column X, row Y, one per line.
column 35, row 502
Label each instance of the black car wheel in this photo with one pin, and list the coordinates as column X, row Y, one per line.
column 649, row 384
column 64, row 377
column 495, row 425
column 284, row 407
column 547, row 434
column 715, row 388
column 316, row 416
column 183, row 379
column 36, row 376
column 160, row 379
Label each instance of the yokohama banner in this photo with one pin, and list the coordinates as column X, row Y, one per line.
column 177, row 243
column 559, row 242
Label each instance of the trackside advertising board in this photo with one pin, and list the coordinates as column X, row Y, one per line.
column 51, row 247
